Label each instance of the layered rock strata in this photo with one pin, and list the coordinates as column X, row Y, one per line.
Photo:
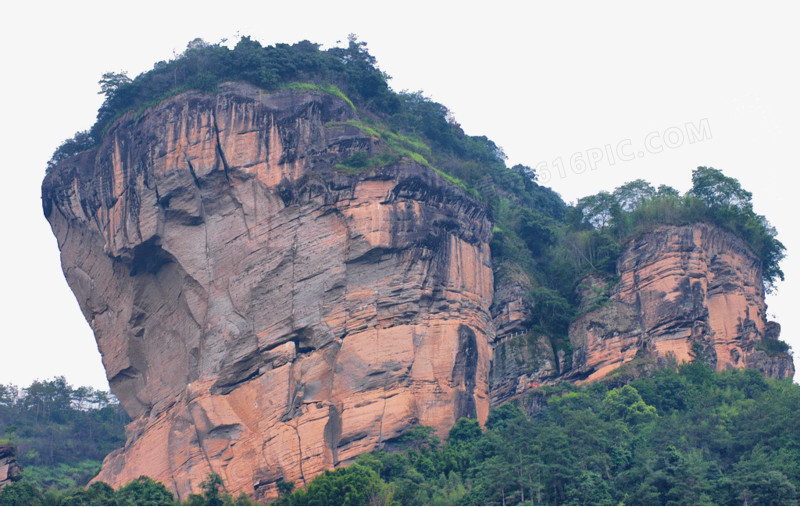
column 687, row 291
column 683, row 291
column 265, row 312
column 260, row 313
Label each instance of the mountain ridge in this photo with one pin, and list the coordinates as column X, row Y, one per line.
column 159, row 230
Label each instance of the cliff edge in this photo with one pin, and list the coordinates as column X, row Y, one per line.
column 684, row 292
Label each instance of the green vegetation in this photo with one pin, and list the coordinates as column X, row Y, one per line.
column 61, row 433
column 536, row 233
column 357, row 484
column 682, row 436
column 141, row 491
column 214, row 493
column 773, row 347
column 330, row 89
column 714, row 198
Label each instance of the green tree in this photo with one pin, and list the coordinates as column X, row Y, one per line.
column 717, row 190
column 598, row 210
column 353, row 485
column 464, row 431
column 20, row 493
column 213, row 488
column 626, row 403
column 144, row 491
column 500, row 416
column 111, row 82
column 633, row 193
column 589, row 489
column 285, row 487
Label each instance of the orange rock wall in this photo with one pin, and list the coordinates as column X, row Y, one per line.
column 678, row 286
column 260, row 314
column 264, row 315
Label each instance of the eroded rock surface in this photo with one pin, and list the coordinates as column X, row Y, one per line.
column 264, row 315
column 10, row 471
column 681, row 287
column 261, row 314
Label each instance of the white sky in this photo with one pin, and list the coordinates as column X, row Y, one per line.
column 543, row 80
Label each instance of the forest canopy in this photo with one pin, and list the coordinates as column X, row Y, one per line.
column 683, row 435
column 61, row 433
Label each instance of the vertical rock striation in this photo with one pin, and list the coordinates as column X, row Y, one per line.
column 261, row 314
column 682, row 290
column 265, row 315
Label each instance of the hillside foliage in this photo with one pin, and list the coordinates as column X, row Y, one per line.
column 61, row 433
column 683, row 436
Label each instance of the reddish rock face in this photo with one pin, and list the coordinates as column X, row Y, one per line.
column 678, row 286
column 265, row 316
column 260, row 314
column 681, row 286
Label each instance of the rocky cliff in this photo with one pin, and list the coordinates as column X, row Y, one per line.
column 682, row 292
column 10, row 471
column 681, row 287
column 265, row 312
column 260, row 313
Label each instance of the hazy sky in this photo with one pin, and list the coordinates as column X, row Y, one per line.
column 639, row 91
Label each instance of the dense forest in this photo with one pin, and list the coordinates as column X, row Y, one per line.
column 683, row 435
column 61, row 433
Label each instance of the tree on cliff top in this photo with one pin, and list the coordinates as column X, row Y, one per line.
column 715, row 198
column 719, row 191
column 111, row 82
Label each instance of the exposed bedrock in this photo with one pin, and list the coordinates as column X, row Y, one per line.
column 10, row 471
column 265, row 315
column 261, row 314
column 693, row 289
column 695, row 286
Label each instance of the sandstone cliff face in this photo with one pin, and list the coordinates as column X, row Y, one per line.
column 10, row 471
column 678, row 286
column 265, row 316
column 260, row 314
